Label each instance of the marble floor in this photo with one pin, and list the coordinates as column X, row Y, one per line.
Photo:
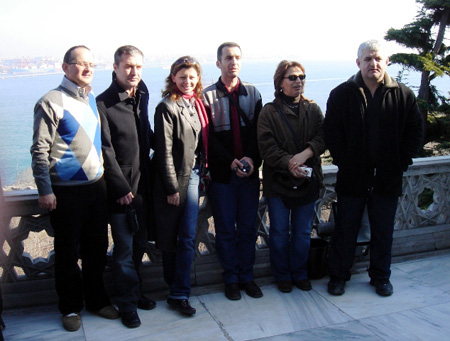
column 418, row 310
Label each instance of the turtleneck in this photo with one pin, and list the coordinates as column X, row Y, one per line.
column 289, row 101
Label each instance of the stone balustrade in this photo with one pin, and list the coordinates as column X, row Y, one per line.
column 27, row 278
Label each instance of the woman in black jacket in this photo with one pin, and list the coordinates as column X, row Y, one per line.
column 181, row 128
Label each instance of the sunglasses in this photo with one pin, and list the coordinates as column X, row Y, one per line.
column 293, row 78
column 185, row 60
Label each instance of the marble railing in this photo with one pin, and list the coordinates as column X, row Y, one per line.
column 27, row 270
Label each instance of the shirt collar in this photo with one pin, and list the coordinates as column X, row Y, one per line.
column 75, row 89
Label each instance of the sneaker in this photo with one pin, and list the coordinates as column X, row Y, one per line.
column 284, row 286
column 232, row 291
column 108, row 312
column 131, row 319
column 251, row 289
column 383, row 288
column 71, row 322
column 336, row 287
column 303, row 284
column 145, row 303
column 182, row 306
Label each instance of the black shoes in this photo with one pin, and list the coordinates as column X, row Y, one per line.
column 382, row 288
column 303, row 284
column 232, row 291
column 182, row 306
column 145, row 303
column 130, row 319
column 284, row 286
column 251, row 289
column 336, row 287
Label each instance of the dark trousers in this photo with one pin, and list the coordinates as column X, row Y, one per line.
column 235, row 208
column 80, row 225
column 381, row 211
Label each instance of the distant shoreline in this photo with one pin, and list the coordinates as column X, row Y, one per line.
column 30, row 74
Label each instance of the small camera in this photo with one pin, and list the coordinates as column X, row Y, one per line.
column 308, row 171
column 245, row 166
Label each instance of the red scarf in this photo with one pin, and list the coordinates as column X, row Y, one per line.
column 236, row 124
column 203, row 117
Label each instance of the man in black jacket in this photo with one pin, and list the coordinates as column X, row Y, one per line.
column 126, row 141
column 373, row 128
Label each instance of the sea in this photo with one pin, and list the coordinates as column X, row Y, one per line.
column 19, row 94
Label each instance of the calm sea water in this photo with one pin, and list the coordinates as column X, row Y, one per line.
column 19, row 95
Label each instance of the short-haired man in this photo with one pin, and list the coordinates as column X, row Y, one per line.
column 67, row 166
column 233, row 107
column 373, row 128
column 126, row 136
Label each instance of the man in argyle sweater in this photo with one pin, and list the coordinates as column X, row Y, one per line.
column 67, row 166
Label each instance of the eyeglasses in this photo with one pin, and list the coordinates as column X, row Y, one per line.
column 83, row 64
column 293, row 78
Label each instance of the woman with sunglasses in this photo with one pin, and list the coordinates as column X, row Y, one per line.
column 181, row 127
column 290, row 140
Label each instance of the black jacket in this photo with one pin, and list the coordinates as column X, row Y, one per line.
column 126, row 142
column 399, row 139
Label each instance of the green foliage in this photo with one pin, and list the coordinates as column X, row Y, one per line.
column 431, row 57
column 415, row 35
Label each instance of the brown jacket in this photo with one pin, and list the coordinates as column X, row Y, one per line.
column 276, row 143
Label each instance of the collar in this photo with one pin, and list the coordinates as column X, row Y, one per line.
column 223, row 90
column 123, row 95
column 387, row 82
column 75, row 89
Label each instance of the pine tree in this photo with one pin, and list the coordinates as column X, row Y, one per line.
column 426, row 36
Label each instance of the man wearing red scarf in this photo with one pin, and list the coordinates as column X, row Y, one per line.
column 233, row 108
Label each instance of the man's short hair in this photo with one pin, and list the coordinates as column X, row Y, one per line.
column 371, row 45
column 226, row 44
column 68, row 55
column 126, row 49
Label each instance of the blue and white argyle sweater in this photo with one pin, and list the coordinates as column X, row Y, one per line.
column 66, row 148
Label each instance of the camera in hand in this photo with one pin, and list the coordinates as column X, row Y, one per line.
column 245, row 166
column 308, row 171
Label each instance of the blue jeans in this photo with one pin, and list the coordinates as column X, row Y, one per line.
column 381, row 210
column 177, row 265
column 234, row 207
column 127, row 258
column 289, row 250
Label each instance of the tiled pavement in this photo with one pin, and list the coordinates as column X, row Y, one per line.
column 418, row 310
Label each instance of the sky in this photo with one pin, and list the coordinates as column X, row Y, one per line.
column 269, row 29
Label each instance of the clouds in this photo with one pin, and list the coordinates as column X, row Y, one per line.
column 306, row 30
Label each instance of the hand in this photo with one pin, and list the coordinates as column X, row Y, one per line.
column 236, row 166
column 298, row 172
column 126, row 199
column 174, row 199
column 299, row 160
column 47, row 201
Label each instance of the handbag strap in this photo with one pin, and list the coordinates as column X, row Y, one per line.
column 297, row 142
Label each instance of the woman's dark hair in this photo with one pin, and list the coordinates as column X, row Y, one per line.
column 184, row 62
column 280, row 74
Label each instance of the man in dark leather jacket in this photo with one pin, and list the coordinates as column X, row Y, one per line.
column 373, row 128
